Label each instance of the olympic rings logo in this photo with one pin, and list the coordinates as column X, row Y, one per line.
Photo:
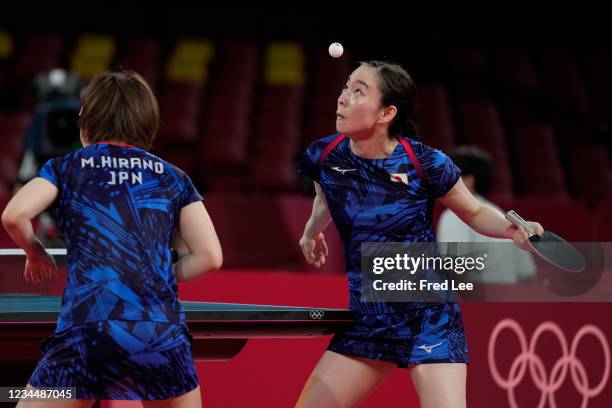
column 316, row 314
column 528, row 358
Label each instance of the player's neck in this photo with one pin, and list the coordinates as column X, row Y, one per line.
column 377, row 146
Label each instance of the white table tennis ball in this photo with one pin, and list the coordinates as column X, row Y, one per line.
column 336, row 50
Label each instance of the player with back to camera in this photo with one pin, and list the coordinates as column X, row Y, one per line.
column 121, row 334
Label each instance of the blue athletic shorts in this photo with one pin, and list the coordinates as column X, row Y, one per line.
column 119, row 360
column 425, row 335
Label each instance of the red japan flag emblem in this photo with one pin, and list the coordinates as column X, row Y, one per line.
column 399, row 178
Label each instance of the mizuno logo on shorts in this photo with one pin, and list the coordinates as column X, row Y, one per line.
column 429, row 348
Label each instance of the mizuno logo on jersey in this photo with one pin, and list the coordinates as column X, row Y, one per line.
column 343, row 171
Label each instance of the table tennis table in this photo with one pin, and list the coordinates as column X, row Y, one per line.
column 220, row 330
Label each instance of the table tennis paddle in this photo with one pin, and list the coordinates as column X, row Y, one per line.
column 551, row 247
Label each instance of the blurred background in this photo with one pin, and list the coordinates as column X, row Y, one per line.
column 243, row 92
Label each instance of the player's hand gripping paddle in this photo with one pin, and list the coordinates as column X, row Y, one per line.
column 551, row 247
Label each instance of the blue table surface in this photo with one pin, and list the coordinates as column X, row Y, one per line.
column 40, row 303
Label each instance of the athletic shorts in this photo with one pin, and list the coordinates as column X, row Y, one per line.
column 425, row 335
column 119, row 360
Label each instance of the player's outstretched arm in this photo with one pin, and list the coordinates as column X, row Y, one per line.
column 313, row 242
column 198, row 233
column 482, row 218
column 32, row 199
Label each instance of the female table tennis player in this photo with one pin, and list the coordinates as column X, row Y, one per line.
column 377, row 181
column 121, row 333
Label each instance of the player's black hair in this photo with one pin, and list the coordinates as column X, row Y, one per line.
column 473, row 161
column 398, row 89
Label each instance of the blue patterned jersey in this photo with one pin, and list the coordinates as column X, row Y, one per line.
column 117, row 207
column 378, row 200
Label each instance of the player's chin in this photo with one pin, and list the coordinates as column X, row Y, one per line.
column 341, row 125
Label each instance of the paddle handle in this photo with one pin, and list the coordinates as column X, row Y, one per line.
column 517, row 220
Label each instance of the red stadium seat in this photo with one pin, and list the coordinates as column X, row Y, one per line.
column 142, row 47
column 226, row 125
column 433, row 115
column 470, row 68
column 230, row 89
column 591, row 173
column 274, row 173
column 141, row 55
column 225, row 131
column 513, row 70
column 539, row 172
column 562, row 82
column 37, row 53
column 277, row 138
column 43, row 44
column 224, row 144
column 5, row 240
column 601, row 85
column 180, row 97
column 184, row 158
column 9, row 167
column 179, row 127
column 238, row 60
column 481, row 127
column 14, row 127
column 27, row 67
column 601, row 223
column 14, row 122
